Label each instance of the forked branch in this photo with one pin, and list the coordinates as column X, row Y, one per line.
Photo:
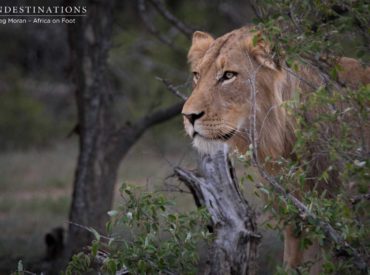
column 215, row 187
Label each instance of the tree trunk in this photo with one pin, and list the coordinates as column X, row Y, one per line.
column 234, row 249
column 96, row 171
column 102, row 143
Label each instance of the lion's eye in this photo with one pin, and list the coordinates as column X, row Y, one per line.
column 196, row 77
column 228, row 75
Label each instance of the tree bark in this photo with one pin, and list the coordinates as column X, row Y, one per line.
column 234, row 249
column 89, row 41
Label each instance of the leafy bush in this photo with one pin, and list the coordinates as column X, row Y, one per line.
column 147, row 238
column 336, row 202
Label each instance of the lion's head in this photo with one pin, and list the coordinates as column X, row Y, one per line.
column 219, row 108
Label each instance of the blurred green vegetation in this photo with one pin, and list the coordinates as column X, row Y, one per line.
column 23, row 121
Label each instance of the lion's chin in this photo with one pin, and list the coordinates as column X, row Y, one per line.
column 209, row 146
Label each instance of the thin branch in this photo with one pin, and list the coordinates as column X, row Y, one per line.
column 160, row 116
column 101, row 257
column 362, row 197
column 91, row 230
column 232, row 13
column 172, row 88
column 292, row 17
column 126, row 135
column 305, row 81
column 181, row 26
column 306, row 213
column 171, row 187
column 150, row 26
column 130, row 132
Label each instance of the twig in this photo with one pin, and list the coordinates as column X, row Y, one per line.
column 101, row 256
column 255, row 9
column 291, row 15
column 172, row 88
column 232, row 13
column 91, row 230
column 305, row 212
column 358, row 198
column 308, row 83
column 172, row 187
column 150, row 26
column 181, row 26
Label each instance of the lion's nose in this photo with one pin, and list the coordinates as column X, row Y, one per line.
column 193, row 117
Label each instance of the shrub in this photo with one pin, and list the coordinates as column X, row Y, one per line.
column 147, row 238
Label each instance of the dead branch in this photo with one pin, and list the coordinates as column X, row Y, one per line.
column 172, row 88
column 234, row 249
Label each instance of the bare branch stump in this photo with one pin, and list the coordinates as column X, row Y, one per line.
column 215, row 187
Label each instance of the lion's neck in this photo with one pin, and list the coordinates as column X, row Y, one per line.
column 276, row 123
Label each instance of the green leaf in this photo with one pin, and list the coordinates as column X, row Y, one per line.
column 94, row 248
column 112, row 266
column 250, row 178
column 141, row 265
column 255, row 40
column 96, row 233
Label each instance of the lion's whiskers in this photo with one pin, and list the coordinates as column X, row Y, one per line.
column 238, row 133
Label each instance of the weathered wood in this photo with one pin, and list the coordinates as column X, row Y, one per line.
column 234, row 249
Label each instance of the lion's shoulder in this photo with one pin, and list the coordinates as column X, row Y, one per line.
column 352, row 72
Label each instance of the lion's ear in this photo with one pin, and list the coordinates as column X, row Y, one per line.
column 200, row 44
column 260, row 49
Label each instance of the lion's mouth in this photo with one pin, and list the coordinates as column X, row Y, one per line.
column 223, row 137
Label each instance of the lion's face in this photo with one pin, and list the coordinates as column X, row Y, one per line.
column 218, row 110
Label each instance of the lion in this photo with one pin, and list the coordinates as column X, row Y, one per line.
column 219, row 109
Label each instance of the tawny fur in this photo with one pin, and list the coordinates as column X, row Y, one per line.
column 226, row 106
